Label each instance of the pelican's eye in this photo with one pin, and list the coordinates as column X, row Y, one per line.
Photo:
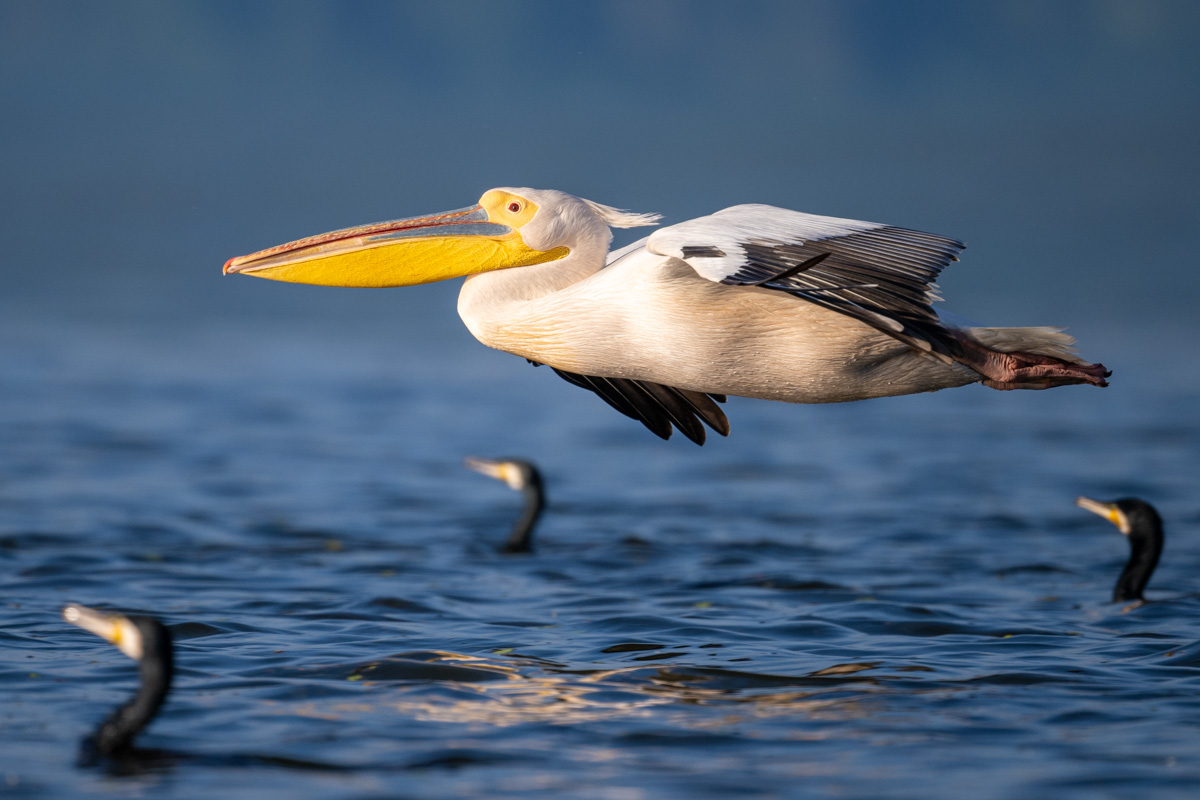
column 514, row 207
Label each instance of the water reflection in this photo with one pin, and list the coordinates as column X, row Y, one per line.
column 503, row 693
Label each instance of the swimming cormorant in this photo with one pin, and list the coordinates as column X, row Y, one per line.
column 525, row 478
column 148, row 642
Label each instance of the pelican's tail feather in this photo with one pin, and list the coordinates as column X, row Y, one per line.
column 1043, row 341
column 1024, row 358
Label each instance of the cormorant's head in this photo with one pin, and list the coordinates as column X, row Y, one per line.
column 1138, row 520
column 144, row 639
column 1130, row 514
column 134, row 635
column 517, row 473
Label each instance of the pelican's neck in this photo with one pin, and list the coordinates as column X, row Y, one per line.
column 487, row 298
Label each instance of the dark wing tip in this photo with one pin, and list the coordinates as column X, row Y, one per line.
column 659, row 407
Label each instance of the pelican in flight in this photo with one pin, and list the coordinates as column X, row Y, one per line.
column 754, row 301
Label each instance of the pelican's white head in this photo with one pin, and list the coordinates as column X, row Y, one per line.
column 507, row 228
column 560, row 219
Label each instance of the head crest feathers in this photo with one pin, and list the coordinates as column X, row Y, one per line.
column 619, row 218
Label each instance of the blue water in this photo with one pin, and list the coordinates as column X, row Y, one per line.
column 889, row 599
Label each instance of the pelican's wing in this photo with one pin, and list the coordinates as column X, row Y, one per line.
column 879, row 274
column 654, row 405
column 629, row 249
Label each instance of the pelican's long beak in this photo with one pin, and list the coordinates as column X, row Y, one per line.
column 402, row 252
column 1107, row 510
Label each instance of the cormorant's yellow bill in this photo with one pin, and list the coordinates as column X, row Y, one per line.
column 1110, row 511
column 113, row 628
column 406, row 252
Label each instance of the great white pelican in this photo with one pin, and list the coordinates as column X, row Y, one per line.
column 754, row 301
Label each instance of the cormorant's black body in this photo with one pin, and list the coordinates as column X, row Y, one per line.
column 521, row 538
column 156, row 669
column 1145, row 547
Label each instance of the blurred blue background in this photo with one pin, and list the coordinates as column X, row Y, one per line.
column 145, row 143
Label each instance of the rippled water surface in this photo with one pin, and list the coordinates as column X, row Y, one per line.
column 893, row 599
